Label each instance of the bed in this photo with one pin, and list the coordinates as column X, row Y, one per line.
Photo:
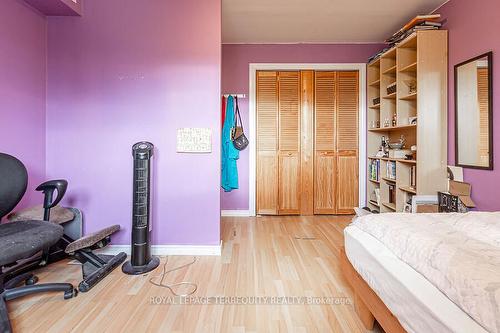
column 405, row 290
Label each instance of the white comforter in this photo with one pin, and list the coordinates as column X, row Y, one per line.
column 458, row 253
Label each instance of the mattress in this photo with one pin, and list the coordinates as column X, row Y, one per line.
column 418, row 305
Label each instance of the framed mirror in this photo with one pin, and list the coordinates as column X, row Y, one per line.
column 474, row 113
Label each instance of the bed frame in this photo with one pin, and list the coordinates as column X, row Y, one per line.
column 367, row 304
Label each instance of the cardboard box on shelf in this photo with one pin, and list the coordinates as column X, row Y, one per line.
column 463, row 191
column 457, row 199
column 427, row 209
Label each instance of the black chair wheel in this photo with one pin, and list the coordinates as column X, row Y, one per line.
column 31, row 280
column 70, row 293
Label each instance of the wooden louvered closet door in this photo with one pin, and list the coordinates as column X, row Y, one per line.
column 283, row 99
column 325, row 159
column 336, row 142
column 289, row 143
column 278, row 143
column 267, row 143
column 347, row 142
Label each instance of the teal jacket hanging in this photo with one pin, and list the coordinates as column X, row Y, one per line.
column 229, row 175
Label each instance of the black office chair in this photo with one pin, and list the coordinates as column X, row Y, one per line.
column 22, row 240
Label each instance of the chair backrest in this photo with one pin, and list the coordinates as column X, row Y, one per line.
column 13, row 183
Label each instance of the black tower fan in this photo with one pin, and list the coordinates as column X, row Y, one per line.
column 141, row 260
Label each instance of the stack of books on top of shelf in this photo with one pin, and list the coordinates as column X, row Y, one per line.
column 421, row 22
column 378, row 54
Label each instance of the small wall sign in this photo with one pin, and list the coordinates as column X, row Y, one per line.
column 194, row 140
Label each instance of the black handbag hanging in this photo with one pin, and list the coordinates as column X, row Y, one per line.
column 238, row 137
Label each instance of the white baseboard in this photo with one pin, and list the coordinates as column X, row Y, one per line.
column 235, row 213
column 169, row 250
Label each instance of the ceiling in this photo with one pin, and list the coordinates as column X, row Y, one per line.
column 317, row 21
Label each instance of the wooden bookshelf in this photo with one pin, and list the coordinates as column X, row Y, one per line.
column 419, row 58
column 373, row 115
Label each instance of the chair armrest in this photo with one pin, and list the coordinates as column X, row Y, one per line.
column 48, row 188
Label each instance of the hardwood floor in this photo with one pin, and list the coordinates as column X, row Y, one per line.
column 265, row 256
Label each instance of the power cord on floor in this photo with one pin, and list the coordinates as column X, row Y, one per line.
column 174, row 285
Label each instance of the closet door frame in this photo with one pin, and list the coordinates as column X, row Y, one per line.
column 253, row 68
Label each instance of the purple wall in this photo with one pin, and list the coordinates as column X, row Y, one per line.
column 235, row 63
column 472, row 31
column 126, row 72
column 23, row 59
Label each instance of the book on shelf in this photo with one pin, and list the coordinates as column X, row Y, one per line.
column 424, row 27
column 377, row 196
column 419, row 19
column 391, row 170
column 374, row 170
column 413, row 177
column 392, row 194
column 432, row 24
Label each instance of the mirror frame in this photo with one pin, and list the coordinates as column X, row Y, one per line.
column 489, row 56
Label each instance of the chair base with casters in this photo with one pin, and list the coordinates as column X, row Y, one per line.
column 18, row 241
column 95, row 267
